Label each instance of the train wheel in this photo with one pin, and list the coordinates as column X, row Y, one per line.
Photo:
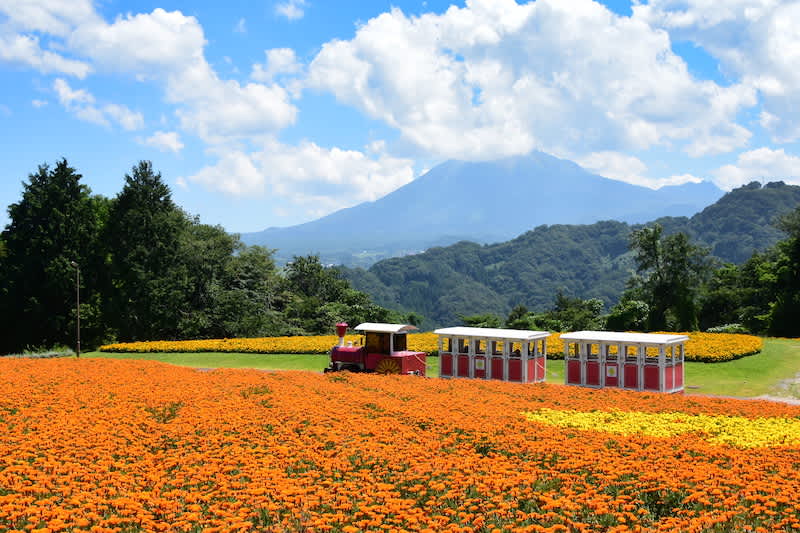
column 388, row 366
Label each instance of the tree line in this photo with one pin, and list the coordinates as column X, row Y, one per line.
column 149, row 271
column 679, row 286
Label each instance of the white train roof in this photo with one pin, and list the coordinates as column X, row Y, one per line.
column 378, row 327
column 633, row 338
column 492, row 333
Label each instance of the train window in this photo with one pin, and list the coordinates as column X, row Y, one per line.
column 516, row 349
column 651, row 352
column 497, row 347
column 377, row 342
column 462, row 346
column 480, row 346
column 447, row 344
column 400, row 342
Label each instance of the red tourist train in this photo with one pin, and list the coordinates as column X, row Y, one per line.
column 599, row 359
column 384, row 351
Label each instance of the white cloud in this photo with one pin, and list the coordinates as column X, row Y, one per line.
column 25, row 49
column 630, row 169
column 756, row 41
column 315, row 179
column 291, row 9
column 497, row 78
column 56, row 17
column 761, row 164
column 278, row 61
column 166, row 141
column 241, row 26
column 81, row 103
column 129, row 120
column 38, row 103
column 168, row 47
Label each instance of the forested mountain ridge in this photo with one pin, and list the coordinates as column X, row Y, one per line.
column 460, row 200
column 585, row 261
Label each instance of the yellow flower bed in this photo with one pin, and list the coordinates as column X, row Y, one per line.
column 735, row 431
column 704, row 347
column 709, row 347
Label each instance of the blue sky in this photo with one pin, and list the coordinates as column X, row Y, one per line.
column 276, row 112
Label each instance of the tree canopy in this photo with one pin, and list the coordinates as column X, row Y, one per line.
column 149, row 271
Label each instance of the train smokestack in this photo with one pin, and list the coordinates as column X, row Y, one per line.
column 341, row 330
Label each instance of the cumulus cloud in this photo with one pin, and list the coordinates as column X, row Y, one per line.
column 81, row 103
column 25, row 49
column 630, row 169
column 317, row 180
column 291, row 9
column 166, row 141
column 278, row 61
column 169, row 47
column 755, row 165
column 497, row 78
column 756, row 41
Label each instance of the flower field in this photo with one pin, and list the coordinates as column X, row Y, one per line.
column 708, row 347
column 114, row 445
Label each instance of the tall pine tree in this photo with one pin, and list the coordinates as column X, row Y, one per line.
column 55, row 223
column 144, row 230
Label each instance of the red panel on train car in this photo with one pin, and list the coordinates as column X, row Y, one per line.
column 612, row 375
column 592, row 373
column 539, row 365
column 497, row 368
column 463, row 366
column 531, row 371
column 631, row 376
column 574, row 372
column 679, row 375
column 347, row 354
column 669, row 378
column 514, row 369
column 480, row 366
column 651, row 378
column 446, row 365
column 411, row 362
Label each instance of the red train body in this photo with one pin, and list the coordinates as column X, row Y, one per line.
column 384, row 351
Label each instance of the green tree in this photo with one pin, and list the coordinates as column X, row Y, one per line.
column 671, row 271
column 486, row 320
column 55, row 223
column 784, row 316
column 144, row 234
column 251, row 296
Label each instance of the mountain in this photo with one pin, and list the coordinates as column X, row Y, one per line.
column 483, row 202
column 586, row 261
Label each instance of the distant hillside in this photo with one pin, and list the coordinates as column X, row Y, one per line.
column 481, row 202
column 587, row 261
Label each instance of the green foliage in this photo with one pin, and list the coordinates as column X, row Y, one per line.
column 784, row 316
column 589, row 261
column 628, row 315
column 149, row 271
column 55, row 223
column 482, row 321
column 671, row 271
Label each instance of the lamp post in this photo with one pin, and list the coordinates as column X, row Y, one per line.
column 77, row 305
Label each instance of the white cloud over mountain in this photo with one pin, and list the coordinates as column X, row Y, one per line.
column 490, row 79
column 756, row 165
column 497, row 78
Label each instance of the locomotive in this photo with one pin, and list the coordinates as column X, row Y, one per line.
column 384, row 351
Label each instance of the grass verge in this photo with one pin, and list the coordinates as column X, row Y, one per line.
column 755, row 375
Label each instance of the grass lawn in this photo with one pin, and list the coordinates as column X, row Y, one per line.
column 755, row 375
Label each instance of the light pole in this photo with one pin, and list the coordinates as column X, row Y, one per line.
column 78, row 304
